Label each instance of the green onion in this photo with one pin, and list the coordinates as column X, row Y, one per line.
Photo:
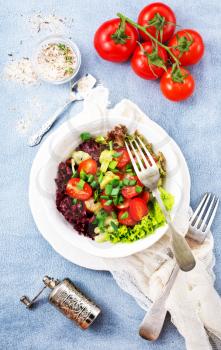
column 104, row 197
column 115, row 182
column 124, row 215
column 113, row 164
column 75, row 174
column 109, row 202
column 121, row 199
column 115, row 200
column 90, row 178
column 94, row 184
column 83, row 175
column 117, row 155
column 114, row 225
column 114, row 215
column 138, row 189
column 85, row 136
column 81, row 184
column 128, row 166
column 100, row 178
column 126, row 182
column 115, row 191
column 132, row 182
column 96, row 195
column 108, row 189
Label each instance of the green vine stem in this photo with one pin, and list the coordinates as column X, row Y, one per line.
column 143, row 29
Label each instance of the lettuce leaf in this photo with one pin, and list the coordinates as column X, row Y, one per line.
column 154, row 219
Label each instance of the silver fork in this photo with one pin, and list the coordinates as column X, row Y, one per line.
column 199, row 226
column 148, row 174
column 77, row 94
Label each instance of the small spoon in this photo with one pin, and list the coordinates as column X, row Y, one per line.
column 79, row 90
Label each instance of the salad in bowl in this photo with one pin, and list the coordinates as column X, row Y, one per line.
column 99, row 194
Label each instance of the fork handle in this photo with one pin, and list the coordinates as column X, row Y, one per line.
column 182, row 251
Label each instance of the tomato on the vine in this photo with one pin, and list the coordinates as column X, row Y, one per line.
column 148, row 61
column 115, row 40
column 177, row 84
column 187, row 45
column 159, row 20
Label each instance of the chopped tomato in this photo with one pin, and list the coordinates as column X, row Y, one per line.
column 124, row 218
column 145, row 196
column 129, row 192
column 89, row 166
column 107, row 208
column 121, row 175
column 124, row 205
column 77, row 188
column 124, row 159
column 132, row 191
column 138, row 209
column 133, row 177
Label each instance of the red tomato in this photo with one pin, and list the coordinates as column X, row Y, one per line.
column 143, row 60
column 113, row 47
column 128, row 221
column 74, row 191
column 124, row 159
column 189, row 46
column 145, row 196
column 124, row 205
column 133, row 177
column 129, row 192
column 138, row 209
column 175, row 90
column 107, row 208
column 159, row 18
column 89, row 166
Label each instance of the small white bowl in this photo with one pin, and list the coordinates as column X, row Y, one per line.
column 55, row 39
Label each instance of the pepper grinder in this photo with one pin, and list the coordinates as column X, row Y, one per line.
column 69, row 300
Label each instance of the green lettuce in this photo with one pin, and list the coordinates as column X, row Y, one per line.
column 154, row 219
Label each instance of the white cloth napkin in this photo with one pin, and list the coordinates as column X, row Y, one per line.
column 193, row 303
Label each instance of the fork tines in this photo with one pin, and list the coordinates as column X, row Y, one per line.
column 204, row 214
column 139, row 154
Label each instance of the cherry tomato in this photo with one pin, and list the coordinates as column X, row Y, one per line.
column 107, row 208
column 143, row 60
column 128, row 221
column 124, row 205
column 124, row 159
column 145, row 196
column 74, row 191
column 138, row 209
column 113, row 47
column 189, row 46
column 160, row 21
column 89, row 166
column 129, row 192
column 177, row 91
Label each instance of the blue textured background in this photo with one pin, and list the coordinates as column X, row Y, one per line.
column 25, row 255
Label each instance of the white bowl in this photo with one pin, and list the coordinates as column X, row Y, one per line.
column 58, row 147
